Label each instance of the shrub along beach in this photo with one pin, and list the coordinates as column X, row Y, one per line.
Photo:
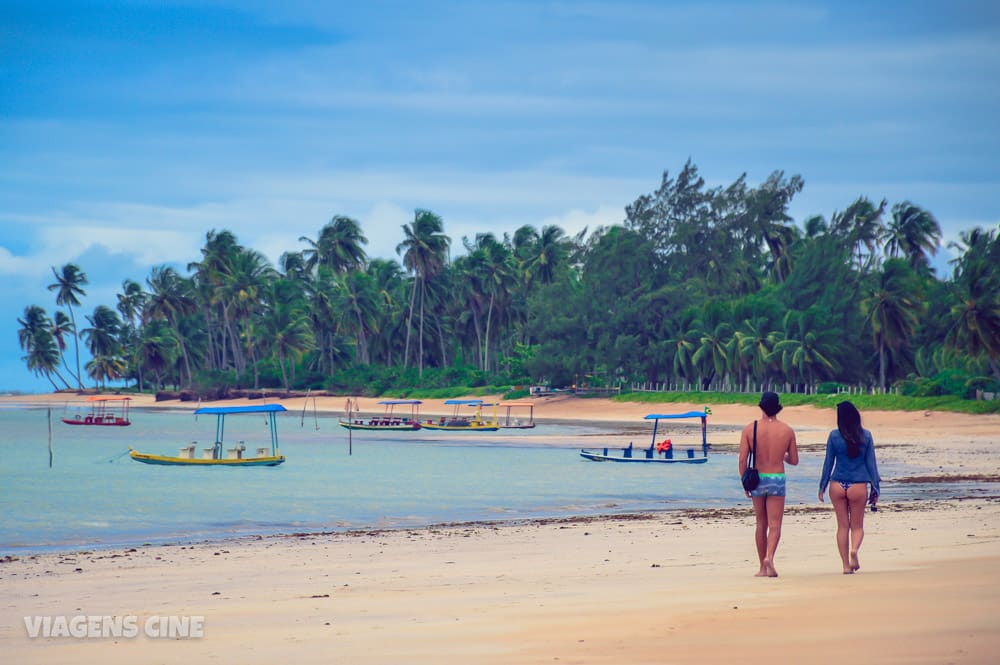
column 670, row 586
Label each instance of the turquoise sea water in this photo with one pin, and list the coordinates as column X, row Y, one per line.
column 94, row 495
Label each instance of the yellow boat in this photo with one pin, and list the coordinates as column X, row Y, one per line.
column 218, row 454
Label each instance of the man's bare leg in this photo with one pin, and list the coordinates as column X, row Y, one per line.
column 775, row 508
column 760, row 537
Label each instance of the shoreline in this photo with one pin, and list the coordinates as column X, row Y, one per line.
column 648, row 587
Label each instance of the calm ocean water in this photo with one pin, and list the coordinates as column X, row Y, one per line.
column 95, row 495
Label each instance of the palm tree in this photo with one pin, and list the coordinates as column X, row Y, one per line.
column 104, row 345
column 339, row 246
column 158, row 348
column 131, row 300
column 892, row 310
column 975, row 317
column 171, row 298
column 68, row 286
column 912, row 234
column 712, row 354
column 242, row 280
column 860, row 226
column 35, row 337
column 424, row 253
column 287, row 328
column 805, row 351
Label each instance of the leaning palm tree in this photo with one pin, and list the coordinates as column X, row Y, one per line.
column 36, row 339
column 68, row 285
column 424, row 253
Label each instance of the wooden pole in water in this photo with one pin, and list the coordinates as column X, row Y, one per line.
column 350, row 430
column 50, row 436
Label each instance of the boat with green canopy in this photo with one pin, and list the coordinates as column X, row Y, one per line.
column 218, row 454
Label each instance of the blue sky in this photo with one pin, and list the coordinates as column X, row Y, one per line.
column 129, row 129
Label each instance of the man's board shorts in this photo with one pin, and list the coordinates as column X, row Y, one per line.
column 771, row 484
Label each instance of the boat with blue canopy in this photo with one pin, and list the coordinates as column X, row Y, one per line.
column 662, row 452
column 389, row 420
column 460, row 422
column 218, row 454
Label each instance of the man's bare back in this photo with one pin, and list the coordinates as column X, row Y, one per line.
column 775, row 445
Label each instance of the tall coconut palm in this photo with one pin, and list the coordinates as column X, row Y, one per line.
column 242, row 277
column 892, row 310
column 860, row 226
column 286, row 327
column 130, row 303
column 103, row 339
column 339, row 246
column 975, row 326
column 207, row 276
column 171, row 298
column 69, row 284
column 158, row 348
column 424, row 252
column 912, row 233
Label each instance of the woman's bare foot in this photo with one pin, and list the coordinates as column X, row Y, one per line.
column 848, row 570
column 762, row 572
column 855, row 565
column 769, row 568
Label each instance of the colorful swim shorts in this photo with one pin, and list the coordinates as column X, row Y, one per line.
column 771, row 484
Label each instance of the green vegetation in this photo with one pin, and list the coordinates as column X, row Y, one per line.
column 879, row 402
column 715, row 290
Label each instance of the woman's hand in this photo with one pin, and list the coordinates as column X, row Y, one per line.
column 821, row 493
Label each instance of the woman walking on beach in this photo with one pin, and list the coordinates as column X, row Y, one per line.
column 850, row 464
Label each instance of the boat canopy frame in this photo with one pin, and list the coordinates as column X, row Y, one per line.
column 220, row 412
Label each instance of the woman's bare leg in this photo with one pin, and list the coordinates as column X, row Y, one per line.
column 857, row 496
column 838, row 497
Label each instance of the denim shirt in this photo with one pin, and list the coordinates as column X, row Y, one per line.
column 838, row 466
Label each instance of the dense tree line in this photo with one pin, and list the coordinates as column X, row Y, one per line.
column 698, row 287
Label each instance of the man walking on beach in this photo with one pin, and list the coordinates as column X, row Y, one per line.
column 775, row 447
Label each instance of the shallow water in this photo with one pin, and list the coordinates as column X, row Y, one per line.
column 94, row 495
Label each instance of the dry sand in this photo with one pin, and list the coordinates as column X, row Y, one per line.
column 659, row 588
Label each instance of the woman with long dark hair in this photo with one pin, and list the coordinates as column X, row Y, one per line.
column 850, row 464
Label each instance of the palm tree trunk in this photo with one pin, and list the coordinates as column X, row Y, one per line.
column 423, row 293
column 76, row 346
column 409, row 324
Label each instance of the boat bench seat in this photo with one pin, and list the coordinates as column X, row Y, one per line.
column 263, row 452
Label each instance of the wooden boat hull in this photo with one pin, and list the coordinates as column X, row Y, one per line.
column 164, row 460
column 396, row 427
column 529, row 426
column 642, row 459
column 116, row 422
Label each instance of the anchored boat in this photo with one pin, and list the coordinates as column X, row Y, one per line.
column 389, row 420
column 663, row 452
column 103, row 412
column 218, row 454
column 458, row 422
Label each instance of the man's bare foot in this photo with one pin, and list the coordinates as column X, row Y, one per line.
column 855, row 565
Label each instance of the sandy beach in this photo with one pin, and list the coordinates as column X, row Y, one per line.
column 671, row 587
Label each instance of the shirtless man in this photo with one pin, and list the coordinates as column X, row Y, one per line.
column 775, row 447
